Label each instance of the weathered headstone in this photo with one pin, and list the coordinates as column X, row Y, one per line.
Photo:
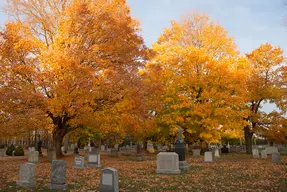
column 255, row 153
column 94, row 158
column 79, row 162
column 72, row 146
column 109, row 180
column 63, row 149
column 116, row 146
column 114, row 153
column 208, row 156
column 33, row 157
column 126, row 152
column 263, row 154
column 271, row 149
column 167, row 163
column 26, row 177
column 58, row 175
column 196, row 152
column 276, row 158
column 2, row 152
column 102, row 148
column 216, row 153
column 180, row 149
column 51, row 154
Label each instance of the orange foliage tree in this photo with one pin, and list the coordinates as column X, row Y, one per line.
column 72, row 64
column 264, row 84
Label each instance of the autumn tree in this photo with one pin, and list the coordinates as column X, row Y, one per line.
column 264, row 85
column 203, row 79
column 69, row 63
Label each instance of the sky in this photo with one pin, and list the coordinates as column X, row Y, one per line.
column 250, row 22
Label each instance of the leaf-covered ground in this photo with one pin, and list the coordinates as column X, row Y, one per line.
column 232, row 172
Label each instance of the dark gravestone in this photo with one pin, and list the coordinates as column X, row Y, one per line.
column 224, row 149
column 58, row 175
column 39, row 146
column 109, row 180
column 179, row 148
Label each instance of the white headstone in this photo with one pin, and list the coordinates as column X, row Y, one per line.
column 33, row 157
column 208, row 156
column 255, row 153
column 102, row 148
column 216, row 153
column 263, row 154
column 94, row 160
column 62, row 148
column 168, row 163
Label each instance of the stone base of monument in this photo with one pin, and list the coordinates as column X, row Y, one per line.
column 183, row 165
column 80, row 167
column 161, row 171
column 58, row 186
column 93, row 165
column 26, row 184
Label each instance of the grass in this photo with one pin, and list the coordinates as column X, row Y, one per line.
column 231, row 172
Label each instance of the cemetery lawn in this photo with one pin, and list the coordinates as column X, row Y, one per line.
column 232, row 172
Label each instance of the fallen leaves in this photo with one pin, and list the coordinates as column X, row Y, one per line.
column 232, row 172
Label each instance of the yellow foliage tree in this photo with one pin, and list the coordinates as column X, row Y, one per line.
column 264, row 84
column 202, row 77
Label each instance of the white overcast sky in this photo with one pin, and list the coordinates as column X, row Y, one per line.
column 250, row 22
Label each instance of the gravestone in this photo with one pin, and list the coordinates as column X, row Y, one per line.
column 26, row 176
column 72, row 146
column 276, row 158
column 102, row 148
column 63, row 149
column 224, row 149
column 263, row 154
column 58, row 175
column 180, row 149
column 33, row 157
column 208, row 156
column 126, row 152
column 2, row 152
column 116, row 146
column 94, row 158
column 216, row 153
column 114, row 153
column 255, row 153
column 31, row 149
column 167, row 163
column 196, row 152
column 79, row 162
column 109, row 180
column 271, row 149
column 51, row 154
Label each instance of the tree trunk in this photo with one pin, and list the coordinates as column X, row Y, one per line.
column 58, row 137
column 248, row 139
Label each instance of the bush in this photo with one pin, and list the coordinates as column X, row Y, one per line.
column 10, row 149
column 19, row 151
column 3, row 146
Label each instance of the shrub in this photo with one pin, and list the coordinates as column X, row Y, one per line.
column 10, row 149
column 3, row 146
column 19, row 151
